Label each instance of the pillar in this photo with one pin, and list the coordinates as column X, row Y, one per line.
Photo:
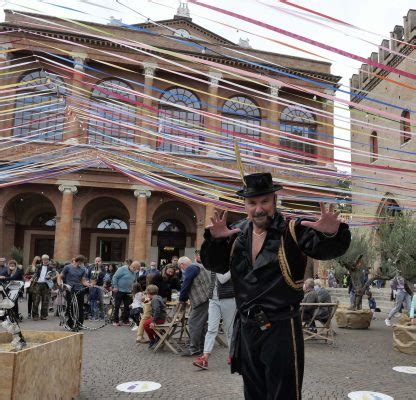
column 2, row 250
column 200, row 227
column 273, row 114
column 146, row 113
column 140, row 234
column 64, row 229
column 6, row 121
column 328, row 106
column 76, row 236
column 74, row 129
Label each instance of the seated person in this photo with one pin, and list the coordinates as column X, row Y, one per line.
column 323, row 297
column 166, row 281
column 310, row 296
column 158, row 314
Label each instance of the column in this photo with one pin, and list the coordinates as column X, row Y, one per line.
column 5, row 62
column 74, row 128
column 200, row 227
column 146, row 113
column 273, row 114
column 140, row 234
column 64, row 229
column 211, row 123
column 76, row 237
column 328, row 106
column 2, row 249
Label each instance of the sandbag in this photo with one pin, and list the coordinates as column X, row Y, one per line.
column 360, row 319
column 404, row 339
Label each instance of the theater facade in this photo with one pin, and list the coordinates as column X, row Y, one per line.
column 99, row 211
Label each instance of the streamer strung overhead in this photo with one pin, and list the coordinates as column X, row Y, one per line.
column 174, row 133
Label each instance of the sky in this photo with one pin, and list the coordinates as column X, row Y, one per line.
column 377, row 16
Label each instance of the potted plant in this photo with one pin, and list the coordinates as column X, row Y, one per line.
column 358, row 260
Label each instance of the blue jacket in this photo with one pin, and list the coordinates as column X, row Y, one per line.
column 123, row 279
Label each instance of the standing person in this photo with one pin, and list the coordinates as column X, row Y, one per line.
column 94, row 298
column 122, row 284
column 412, row 310
column 136, row 307
column 195, row 287
column 158, row 314
column 221, row 305
column 3, row 268
column 403, row 297
column 267, row 257
column 75, row 277
column 166, row 281
column 97, row 271
column 111, row 270
column 30, row 273
column 41, row 291
column 15, row 273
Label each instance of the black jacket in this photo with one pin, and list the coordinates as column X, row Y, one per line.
column 275, row 280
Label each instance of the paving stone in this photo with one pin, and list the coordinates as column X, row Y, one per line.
column 359, row 360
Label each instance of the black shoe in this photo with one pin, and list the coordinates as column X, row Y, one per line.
column 151, row 344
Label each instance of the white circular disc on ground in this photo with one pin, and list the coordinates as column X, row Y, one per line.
column 138, row 387
column 406, row 370
column 367, row 395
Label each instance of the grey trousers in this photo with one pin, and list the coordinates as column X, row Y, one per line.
column 197, row 325
column 401, row 297
column 224, row 308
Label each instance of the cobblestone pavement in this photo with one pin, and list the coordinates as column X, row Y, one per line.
column 360, row 360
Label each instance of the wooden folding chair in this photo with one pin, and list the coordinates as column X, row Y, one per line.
column 166, row 331
column 315, row 329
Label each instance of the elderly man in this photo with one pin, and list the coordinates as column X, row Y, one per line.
column 267, row 257
column 122, row 284
column 41, row 291
column 310, row 296
column 195, row 287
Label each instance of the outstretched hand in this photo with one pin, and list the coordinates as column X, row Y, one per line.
column 218, row 226
column 328, row 222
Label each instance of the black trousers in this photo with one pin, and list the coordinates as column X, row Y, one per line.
column 272, row 360
column 71, row 306
column 126, row 299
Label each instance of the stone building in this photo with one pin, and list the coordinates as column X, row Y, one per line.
column 101, row 211
column 382, row 142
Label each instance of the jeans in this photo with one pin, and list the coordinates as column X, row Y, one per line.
column 126, row 299
column 95, row 308
column 401, row 297
column 147, row 313
column 224, row 308
column 197, row 325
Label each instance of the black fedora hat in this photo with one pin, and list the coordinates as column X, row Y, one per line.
column 258, row 185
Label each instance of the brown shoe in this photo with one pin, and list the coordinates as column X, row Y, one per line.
column 35, row 318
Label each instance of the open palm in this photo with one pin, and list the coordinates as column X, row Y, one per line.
column 218, row 226
column 328, row 222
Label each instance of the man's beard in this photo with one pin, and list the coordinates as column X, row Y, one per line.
column 262, row 224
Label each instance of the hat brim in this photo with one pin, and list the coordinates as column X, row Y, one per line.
column 245, row 194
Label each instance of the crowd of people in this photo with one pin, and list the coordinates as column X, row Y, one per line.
column 131, row 294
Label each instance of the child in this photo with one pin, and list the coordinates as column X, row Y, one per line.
column 107, row 295
column 136, row 306
column 158, row 314
column 372, row 303
column 94, row 295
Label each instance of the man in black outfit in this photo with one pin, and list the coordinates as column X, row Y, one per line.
column 267, row 257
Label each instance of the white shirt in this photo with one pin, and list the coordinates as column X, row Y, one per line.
column 43, row 274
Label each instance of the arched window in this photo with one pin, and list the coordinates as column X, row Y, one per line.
column 112, row 223
column 405, row 129
column 171, row 226
column 113, row 101
column 40, row 106
column 44, row 220
column 178, row 124
column 247, row 117
column 300, row 123
column 373, row 147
